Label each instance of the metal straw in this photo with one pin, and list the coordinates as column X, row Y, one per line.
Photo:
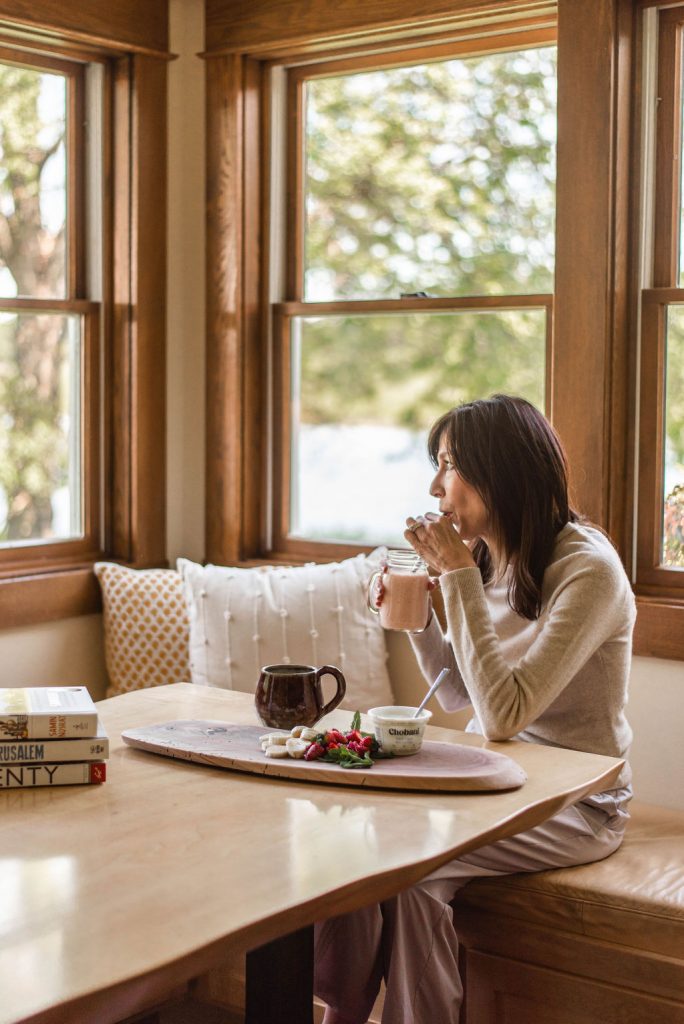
column 435, row 686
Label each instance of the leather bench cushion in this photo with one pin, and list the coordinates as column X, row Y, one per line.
column 634, row 897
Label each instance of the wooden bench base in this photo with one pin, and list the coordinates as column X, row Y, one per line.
column 596, row 944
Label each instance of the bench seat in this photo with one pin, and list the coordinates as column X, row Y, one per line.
column 601, row 942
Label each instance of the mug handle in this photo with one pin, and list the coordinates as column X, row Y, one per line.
column 371, row 584
column 341, row 687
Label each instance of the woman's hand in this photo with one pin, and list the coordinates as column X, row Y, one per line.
column 378, row 589
column 438, row 542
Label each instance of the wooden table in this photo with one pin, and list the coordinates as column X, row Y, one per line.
column 113, row 895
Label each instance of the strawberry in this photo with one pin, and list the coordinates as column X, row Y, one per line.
column 314, row 751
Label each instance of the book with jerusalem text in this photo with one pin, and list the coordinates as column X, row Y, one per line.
column 46, row 712
column 92, row 748
column 26, row 776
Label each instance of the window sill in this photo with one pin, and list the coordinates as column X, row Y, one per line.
column 48, row 596
column 659, row 630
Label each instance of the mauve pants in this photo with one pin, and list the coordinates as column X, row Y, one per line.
column 411, row 939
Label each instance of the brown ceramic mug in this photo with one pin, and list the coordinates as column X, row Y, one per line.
column 288, row 695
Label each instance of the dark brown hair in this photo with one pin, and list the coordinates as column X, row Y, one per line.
column 509, row 452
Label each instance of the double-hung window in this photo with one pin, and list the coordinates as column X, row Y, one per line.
column 50, row 181
column 660, row 512
column 82, row 322
column 412, row 248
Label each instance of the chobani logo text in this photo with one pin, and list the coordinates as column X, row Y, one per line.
column 404, row 732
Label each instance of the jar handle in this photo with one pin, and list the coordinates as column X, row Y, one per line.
column 371, row 584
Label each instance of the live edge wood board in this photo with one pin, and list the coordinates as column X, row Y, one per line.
column 444, row 767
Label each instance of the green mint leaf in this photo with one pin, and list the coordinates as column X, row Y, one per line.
column 356, row 720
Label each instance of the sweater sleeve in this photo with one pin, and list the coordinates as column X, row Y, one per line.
column 434, row 652
column 581, row 615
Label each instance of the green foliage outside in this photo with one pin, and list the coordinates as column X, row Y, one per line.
column 438, row 177
column 33, row 349
column 405, row 370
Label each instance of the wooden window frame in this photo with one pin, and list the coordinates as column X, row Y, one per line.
column 281, row 544
column 659, row 589
column 595, row 341
column 26, row 558
column 123, row 340
column 291, row 548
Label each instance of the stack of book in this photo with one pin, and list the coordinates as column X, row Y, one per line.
column 50, row 736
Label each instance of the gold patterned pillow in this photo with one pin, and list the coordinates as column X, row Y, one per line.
column 146, row 629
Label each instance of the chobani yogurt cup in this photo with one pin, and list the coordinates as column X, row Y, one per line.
column 397, row 731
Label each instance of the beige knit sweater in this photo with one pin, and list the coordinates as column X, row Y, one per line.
column 560, row 680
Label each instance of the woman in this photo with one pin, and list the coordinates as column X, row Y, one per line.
column 540, row 616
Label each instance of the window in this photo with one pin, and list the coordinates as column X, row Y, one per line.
column 49, row 338
column 285, row 340
column 419, row 248
column 660, row 531
column 82, row 326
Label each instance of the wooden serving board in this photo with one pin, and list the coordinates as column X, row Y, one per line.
column 437, row 766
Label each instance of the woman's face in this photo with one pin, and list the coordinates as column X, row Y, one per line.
column 458, row 499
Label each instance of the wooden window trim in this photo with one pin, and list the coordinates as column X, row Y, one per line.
column 236, row 519
column 283, row 545
column 668, row 142
column 652, row 578
column 659, row 590
column 358, row 25
column 286, row 547
column 129, row 501
column 479, row 46
column 26, row 560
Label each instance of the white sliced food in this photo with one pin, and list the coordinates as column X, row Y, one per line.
column 296, row 747
column 296, row 731
column 308, row 734
column 276, row 750
column 274, row 738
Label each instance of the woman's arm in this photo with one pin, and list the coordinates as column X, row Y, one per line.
column 434, row 652
column 589, row 607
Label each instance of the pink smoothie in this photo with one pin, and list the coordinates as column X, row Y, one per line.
column 405, row 603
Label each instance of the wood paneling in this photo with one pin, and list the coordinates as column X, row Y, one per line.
column 621, row 393
column 118, row 339
column 509, row 990
column 668, row 150
column 122, row 24
column 138, row 358
column 264, row 25
column 225, row 351
column 659, row 630
column 585, row 225
column 148, row 293
column 254, row 256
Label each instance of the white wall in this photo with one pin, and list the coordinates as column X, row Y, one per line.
column 71, row 651
column 54, row 654
column 656, row 714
